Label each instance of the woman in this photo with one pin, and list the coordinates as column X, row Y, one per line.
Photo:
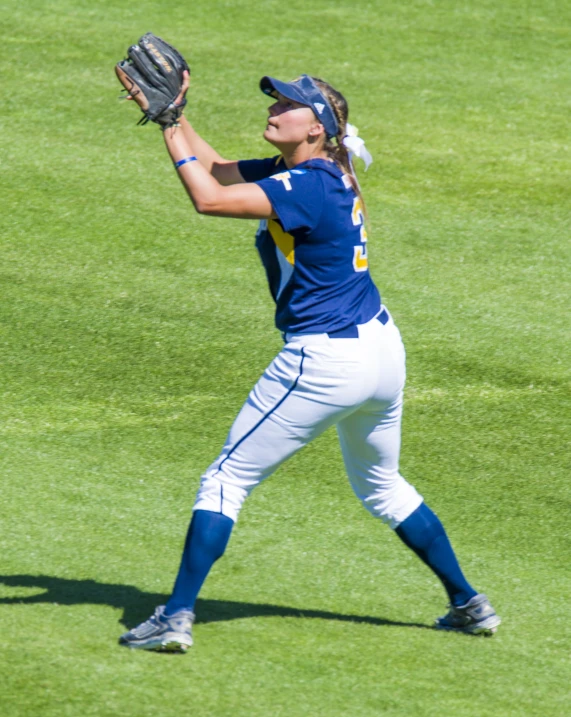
column 343, row 361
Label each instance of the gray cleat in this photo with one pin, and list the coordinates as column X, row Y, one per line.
column 164, row 634
column 476, row 617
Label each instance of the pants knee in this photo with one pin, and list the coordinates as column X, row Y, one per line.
column 393, row 504
column 219, row 495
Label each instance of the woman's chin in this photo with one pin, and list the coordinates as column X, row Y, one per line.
column 267, row 135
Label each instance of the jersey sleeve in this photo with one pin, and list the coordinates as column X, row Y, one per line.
column 252, row 170
column 296, row 196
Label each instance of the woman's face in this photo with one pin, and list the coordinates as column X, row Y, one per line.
column 290, row 123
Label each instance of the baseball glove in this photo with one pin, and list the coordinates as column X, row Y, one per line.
column 152, row 74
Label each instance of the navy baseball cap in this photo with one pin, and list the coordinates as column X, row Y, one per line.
column 306, row 92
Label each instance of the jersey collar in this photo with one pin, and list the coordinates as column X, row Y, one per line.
column 318, row 163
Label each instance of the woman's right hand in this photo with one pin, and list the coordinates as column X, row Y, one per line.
column 185, row 85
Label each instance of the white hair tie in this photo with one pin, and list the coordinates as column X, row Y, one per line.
column 356, row 146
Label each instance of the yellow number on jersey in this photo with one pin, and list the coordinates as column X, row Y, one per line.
column 360, row 261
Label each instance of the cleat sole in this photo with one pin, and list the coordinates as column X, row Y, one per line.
column 173, row 647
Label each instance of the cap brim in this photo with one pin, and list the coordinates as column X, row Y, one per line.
column 271, row 86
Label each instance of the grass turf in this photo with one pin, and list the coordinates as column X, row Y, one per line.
column 133, row 329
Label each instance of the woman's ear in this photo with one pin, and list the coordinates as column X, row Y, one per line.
column 316, row 130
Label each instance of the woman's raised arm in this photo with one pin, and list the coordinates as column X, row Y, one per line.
column 225, row 171
column 243, row 201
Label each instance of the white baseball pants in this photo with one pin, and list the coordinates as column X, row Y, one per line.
column 314, row 382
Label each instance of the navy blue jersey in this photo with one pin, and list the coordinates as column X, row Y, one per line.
column 315, row 253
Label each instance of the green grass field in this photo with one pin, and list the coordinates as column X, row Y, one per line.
column 133, row 329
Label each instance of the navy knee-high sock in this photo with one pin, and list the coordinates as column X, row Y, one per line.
column 206, row 540
column 423, row 532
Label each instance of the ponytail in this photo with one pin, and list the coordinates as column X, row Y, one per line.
column 334, row 146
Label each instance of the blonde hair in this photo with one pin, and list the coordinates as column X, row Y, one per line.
column 334, row 146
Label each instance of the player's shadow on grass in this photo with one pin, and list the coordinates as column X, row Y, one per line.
column 138, row 605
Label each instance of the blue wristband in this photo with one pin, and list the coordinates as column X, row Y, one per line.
column 184, row 161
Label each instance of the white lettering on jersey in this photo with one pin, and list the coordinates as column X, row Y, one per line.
column 283, row 177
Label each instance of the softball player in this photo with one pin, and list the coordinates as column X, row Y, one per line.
column 343, row 361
